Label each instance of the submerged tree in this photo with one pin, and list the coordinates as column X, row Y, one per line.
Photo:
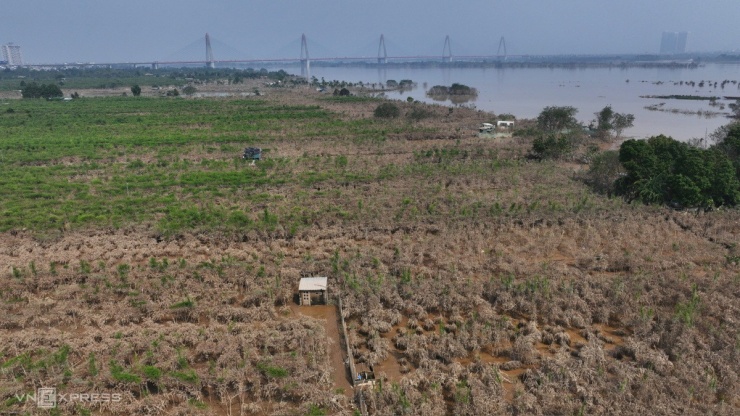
column 622, row 122
column 604, row 119
column 607, row 120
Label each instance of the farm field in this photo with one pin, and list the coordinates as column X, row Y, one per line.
column 142, row 256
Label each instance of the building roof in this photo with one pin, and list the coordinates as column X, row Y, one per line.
column 312, row 283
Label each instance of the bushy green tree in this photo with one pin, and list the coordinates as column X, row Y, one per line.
column 603, row 171
column 556, row 119
column 462, row 89
column 728, row 142
column 663, row 170
column 189, row 90
column 607, row 120
column 621, row 122
column 387, row 110
column 418, row 113
column 34, row 90
column 604, row 119
column 136, row 90
column 553, row 146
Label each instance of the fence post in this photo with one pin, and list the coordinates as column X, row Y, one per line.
column 350, row 357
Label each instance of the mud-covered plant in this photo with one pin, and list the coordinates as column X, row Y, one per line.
column 119, row 374
column 123, row 271
column 184, row 304
column 271, row 370
column 92, row 365
column 686, row 311
column 188, row 376
column 152, row 373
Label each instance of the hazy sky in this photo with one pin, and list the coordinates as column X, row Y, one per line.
column 130, row 30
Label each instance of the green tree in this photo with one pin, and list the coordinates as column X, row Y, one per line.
column 603, row 171
column 34, row 90
column 622, row 122
column 189, row 90
column 136, row 90
column 663, row 170
column 727, row 140
column 553, row 146
column 418, row 113
column 387, row 110
column 604, row 119
column 556, row 119
column 735, row 107
column 607, row 120
column 462, row 89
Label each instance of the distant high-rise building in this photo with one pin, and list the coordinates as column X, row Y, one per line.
column 673, row 42
column 12, row 54
column 681, row 42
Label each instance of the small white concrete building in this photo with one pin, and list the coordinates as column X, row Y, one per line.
column 505, row 124
column 312, row 290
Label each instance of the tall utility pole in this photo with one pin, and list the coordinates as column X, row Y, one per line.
column 305, row 62
column 210, row 62
column 382, row 58
column 447, row 50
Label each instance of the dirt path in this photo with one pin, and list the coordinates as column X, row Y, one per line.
column 328, row 314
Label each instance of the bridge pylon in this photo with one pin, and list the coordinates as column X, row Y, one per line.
column 382, row 57
column 155, row 65
column 305, row 61
column 501, row 44
column 210, row 62
column 447, row 51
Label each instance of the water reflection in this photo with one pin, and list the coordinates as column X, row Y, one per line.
column 454, row 99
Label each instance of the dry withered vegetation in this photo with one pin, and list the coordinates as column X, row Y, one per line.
column 473, row 280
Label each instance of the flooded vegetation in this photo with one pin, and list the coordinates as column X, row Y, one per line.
column 143, row 256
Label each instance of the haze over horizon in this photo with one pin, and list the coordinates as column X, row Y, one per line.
column 51, row 31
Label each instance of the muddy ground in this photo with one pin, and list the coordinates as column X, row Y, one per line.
column 590, row 306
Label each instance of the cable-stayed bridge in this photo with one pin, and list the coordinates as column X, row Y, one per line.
column 303, row 58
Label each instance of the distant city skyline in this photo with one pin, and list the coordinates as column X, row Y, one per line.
column 673, row 42
column 52, row 31
column 12, row 54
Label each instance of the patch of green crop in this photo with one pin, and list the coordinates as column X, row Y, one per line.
column 175, row 163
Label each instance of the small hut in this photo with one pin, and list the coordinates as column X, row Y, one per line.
column 312, row 290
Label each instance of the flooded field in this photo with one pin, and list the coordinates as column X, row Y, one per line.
column 524, row 92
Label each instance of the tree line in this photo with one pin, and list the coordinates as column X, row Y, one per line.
column 658, row 170
column 662, row 170
column 34, row 90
